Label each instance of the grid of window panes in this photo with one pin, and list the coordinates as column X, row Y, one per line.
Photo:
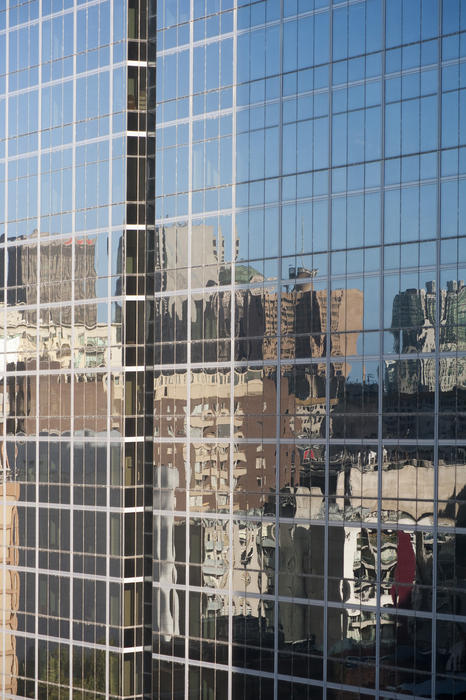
column 310, row 368
column 71, row 568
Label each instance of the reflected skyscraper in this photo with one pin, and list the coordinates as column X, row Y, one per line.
column 232, row 349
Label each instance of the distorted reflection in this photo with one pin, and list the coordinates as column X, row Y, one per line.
column 166, row 617
column 231, row 422
column 210, row 253
column 60, row 337
column 11, row 594
column 410, row 383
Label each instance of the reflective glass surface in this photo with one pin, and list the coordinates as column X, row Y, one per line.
column 72, row 305
column 233, row 349
column 309, row 349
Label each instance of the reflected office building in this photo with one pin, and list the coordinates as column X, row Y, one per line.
column 233, row 349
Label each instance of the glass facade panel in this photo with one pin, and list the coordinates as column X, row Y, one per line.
column 309, row 250
column 72, row 187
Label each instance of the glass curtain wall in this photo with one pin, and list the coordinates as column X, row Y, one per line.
column 309, row 350
column 73, row 131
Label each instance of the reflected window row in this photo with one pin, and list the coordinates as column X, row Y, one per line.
column 171, row 265
column 351, row 666
column 406, row 488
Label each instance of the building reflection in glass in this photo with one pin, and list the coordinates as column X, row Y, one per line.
column 38, row 411
column 10, row 585
column 256, row 535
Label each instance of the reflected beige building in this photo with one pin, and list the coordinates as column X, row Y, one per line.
column 10, row 592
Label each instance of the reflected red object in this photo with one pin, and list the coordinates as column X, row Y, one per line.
column 405, row 571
